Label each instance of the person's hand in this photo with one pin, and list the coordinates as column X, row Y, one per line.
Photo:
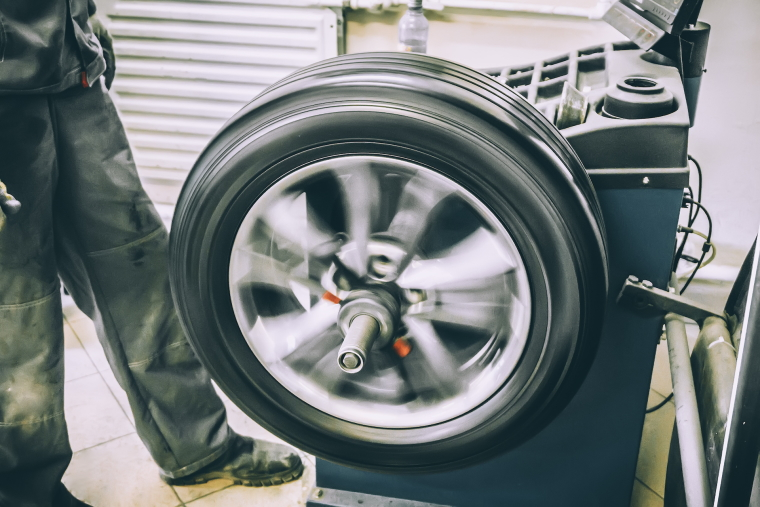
column 106, row 42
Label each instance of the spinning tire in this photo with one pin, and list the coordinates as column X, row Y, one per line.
column 425, row 189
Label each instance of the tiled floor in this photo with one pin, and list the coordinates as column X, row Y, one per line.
column 111, row 467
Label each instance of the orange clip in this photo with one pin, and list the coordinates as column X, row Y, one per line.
column 329, row 296
column 402, row 347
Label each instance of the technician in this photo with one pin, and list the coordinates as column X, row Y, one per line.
column 86, row 219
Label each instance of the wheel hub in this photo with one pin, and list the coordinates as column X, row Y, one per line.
column 381, row 313
column 385, row 260
column 336, row 261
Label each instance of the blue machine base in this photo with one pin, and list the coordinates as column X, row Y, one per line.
column 587, row 456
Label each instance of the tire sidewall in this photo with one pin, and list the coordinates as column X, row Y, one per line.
column 517, row 186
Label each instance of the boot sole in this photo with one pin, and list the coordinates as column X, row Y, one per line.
column 274, row 480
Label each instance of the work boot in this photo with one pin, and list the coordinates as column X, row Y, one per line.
column 248, row 462
column 64, row 498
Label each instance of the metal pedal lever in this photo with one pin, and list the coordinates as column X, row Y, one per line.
column 644, row 296
column 325, row 497
column 361, row 335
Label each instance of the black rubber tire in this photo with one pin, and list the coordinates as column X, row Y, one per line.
column 451, row 119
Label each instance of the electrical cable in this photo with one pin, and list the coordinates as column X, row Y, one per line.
column 679, row 251
column 706, row 246
column 713, row 250
column 699, row 188
column 691, row 276
column 660, row 405
column 699, row 172
column 707, row 214
column 692, row 215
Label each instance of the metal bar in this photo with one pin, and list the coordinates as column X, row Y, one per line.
column 359, row 339
column 326, row 497
column 742, row 440
column 695, row 479
column 534, row 80
column 643, row 295
column 572, row 69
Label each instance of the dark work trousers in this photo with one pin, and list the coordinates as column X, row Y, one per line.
column 86, row 218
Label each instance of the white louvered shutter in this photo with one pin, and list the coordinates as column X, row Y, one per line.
column 183, row 68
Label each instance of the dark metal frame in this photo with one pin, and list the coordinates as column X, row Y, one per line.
column 741, row 445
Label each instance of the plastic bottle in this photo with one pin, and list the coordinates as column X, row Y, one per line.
column 413, row 29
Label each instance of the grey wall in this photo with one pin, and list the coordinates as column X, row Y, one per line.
column 105, row 6
column 479, row 38
column 726, row 137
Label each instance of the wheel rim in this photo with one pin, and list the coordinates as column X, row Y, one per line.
column 358, row 231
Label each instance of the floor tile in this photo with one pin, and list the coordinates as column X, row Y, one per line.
column 118, row 393
column 77, row 362
column 119, row 473
column 190, row 493
column 644, row 497
column 655, row 445
column 92, row 413
column 85, row 331
column 661, row 380
column 288, row 495
column 70, row 310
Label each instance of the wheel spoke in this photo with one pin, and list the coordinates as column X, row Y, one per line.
column 477, row 258
column 361, row 201
column 468, row 309
column 327, row 372
column 417, row 202
column 297, row 228
column 277, row 337
column 316, row 359
column 436, row 361
column 254, row 267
